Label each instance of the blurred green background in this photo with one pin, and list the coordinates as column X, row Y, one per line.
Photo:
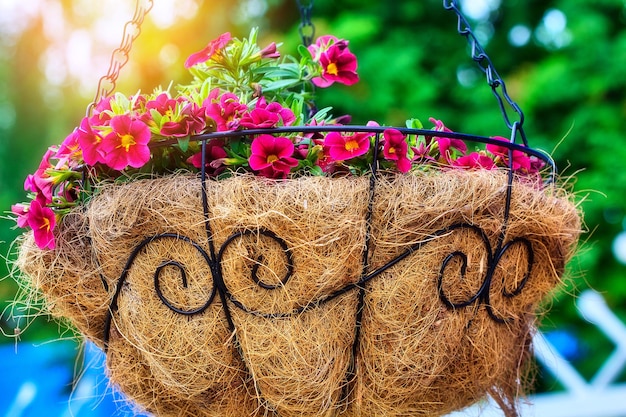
column 564, row 62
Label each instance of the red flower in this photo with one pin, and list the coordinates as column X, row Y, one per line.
column 42, row 220
column 474, row 160
column 520, row 160
column 338, row 65
column 272, row 156
column 395, row 148
column 127, row 144
column 214, row 47
column 341, row 148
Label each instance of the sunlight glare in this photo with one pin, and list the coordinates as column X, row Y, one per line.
column 165, row 13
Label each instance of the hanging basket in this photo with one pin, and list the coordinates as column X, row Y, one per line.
column 396, row 294
column 410, row 293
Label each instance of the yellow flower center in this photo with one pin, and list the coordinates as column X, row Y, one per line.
column 392, row 150
column 332, row 69
column 126, row 141
column 352, row 145
column 46, row 224
column 271, row 158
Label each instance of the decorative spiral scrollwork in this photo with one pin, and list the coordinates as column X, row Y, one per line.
column 481, row 295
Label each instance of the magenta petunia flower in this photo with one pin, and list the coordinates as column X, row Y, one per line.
column 191, row 121
column 338, row 65
column 215, row 155
column 474, row 160
column 127, row 144
column 163, row 104
column 322, row 44
column 270, row 51
column 42, row 220
column 344, row 147
column 70, row 148
column 208, row 51
column 447, row 146
column 422, row 153
column 395, row 148
column 226, row 109
column 520, row 160
column 272, row 156
column 21, row 211
column 267, row 115
column 90, row 143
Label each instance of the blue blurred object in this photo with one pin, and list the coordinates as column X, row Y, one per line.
column 40, row 380
column 566, row 343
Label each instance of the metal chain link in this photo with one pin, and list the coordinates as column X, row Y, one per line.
column 120, row 56
column 306, row 28
column 493, row 78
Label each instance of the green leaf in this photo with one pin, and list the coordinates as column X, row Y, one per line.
column 183, row 143
column 305, row 53
column 414, row 124
column 279, row 84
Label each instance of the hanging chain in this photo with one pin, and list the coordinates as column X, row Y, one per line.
column 119, row 57
column 306, row 28
column 493, row 78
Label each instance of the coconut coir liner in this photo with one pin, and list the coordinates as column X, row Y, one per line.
column 291, row 353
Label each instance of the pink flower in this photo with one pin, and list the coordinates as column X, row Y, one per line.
column 474, row 160
column 322, row 44
column 40, row 182
column 395, row 148
column 90, row 143
column 163, row 104
column 226, row 110
column 272, row 156
column 267, row 115
column 215, row 155
column 536, row 164
column 338, row 65
column 70, row 148
column 102, row 112
column 21, row 211
column 214, row 47
column 422, row 153
column 42, row 220
column 127, row 144
column 191, row 122
column 270, row 51
column 520, row 161
column 343, row 147
column 447, row 146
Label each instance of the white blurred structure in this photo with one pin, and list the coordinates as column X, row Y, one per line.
column 600, row 397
